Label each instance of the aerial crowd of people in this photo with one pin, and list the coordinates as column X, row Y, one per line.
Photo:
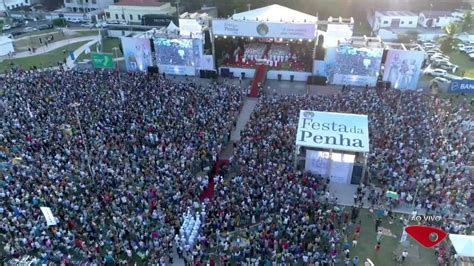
column 117, row 158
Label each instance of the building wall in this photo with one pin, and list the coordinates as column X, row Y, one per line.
column 439, row 22
column 386, row 21
column 10, row 4
column 86, row 5
column 134, row 14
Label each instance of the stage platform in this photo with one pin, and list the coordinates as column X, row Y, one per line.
column 271, row 74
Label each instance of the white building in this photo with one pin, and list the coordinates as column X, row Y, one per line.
column 86, row 6
column 392, row 19
column 11, row 4
column 133, row 10
column 436, row 19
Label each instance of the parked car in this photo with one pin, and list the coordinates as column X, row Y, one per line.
column 440, row 83
column 466, row 49
column 6, row 27
column 471, row 55
column 29, row 29
column 73, row 20
column 101, row 24
column 87, row 25
column 439, row 56
column 17, row 24
column 447, row 66
column 437, row 72
column 429, row 45
column 44, row 27
column 16, row 33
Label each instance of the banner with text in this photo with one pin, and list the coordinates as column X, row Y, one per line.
column 338, row 131
column 260, row 29
column 462, row 86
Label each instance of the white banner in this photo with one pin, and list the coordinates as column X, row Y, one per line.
column 338, row 131
column 177, row 70
column 189, row 26
column 317, row 162
column 264, row 29
column 354, row 80
column 207, row 62
column 50, row 219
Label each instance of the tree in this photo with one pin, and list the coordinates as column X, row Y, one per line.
column 467, row 22
column 447, row 41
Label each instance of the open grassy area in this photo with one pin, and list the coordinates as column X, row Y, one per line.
column 417, row 255
column 107, row 47
column 34, row 41
column 464, row 63
column 40, row 61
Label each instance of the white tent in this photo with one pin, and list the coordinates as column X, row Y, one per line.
column 276, row 13
column 172, row 27
column 463, row 244
column 6, row 45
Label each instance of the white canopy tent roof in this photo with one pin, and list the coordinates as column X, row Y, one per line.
column 172, row 27
column 463, row 244
column 275, row 13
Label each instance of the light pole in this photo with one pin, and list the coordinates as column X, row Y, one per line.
column 75, row 105
column 116, row 58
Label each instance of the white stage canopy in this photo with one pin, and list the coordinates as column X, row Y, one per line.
column 276, row 13
column 463, row 244
column 337, row 131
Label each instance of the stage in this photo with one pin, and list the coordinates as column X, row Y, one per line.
column 271, row 74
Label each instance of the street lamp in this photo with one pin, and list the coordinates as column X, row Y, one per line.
column 115, row 54
column 75, row 105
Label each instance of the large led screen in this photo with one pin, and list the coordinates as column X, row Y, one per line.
column 137, row 53
column 347, row 65
column 179, row 56
column 403, row 68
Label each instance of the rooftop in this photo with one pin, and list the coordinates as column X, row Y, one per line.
column 140, row 3
column 435, row 13
column 398, row 13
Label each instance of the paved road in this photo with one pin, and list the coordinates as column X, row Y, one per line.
column 52, row 46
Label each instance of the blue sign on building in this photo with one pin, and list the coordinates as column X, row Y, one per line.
column 462, row 86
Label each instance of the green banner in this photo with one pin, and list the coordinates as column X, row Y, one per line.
column 102, row 60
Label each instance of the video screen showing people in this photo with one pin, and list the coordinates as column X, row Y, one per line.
column 403, row 68
column 353, row 66
column 137, row 53
column 174, row 51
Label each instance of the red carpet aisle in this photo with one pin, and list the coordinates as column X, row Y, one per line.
column 260, row 74
column 208, row 193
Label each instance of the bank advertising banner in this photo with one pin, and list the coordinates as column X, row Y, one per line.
column 403, row 68
column 260, row 29
column 337, row 131
column 137, row 53
column 462, row 86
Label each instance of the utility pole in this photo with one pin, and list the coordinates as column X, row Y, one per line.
column 177, row 8
column 75, row 105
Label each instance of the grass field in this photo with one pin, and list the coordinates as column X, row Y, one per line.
column 34, row 41
column 417, row 255
column 40, row 61
column 108, row 45
column 464, row 63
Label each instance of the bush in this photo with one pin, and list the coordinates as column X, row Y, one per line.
column 59, row 22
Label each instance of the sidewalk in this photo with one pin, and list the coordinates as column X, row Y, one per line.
column 67, row 31
column 52, row 46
